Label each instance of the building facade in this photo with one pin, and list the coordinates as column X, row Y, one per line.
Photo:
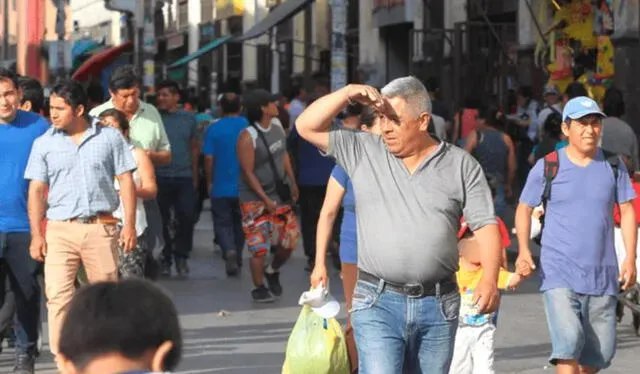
column 93, row 20
column 26, row 27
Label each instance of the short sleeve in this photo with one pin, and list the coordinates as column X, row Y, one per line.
column 625, row 191
column 504, row 277
column 340, row 176
column 123, row 160
column 37, row 165
column 345, row 146
column 478, row 204
column 208, row 147
column 532, row 192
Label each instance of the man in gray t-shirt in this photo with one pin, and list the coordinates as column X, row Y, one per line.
column 411, row 192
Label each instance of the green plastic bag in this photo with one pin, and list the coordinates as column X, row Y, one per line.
column 316, row 345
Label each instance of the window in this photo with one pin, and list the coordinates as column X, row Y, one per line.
column 183, row 14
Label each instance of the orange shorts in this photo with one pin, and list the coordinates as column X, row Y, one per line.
column 264, row 230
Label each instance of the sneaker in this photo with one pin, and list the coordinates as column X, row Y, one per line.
column 182, row 268
column 231, row 263
column 165, row 270
column 25, row 364
column 273, row 280
column 262, row 295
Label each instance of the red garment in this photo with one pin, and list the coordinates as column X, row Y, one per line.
column 504, row 232
column 636, row 205
column 468, row 122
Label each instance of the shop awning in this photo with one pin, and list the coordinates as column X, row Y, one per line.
column 281, row 13
column 200, row 52
column 96, row 63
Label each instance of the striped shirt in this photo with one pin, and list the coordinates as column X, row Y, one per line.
column 80, row 177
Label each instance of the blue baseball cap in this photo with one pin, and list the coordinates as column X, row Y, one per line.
column 579, row 107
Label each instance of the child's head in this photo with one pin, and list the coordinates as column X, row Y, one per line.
column 113, row 327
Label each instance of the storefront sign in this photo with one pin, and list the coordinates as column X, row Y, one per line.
column 229, row 8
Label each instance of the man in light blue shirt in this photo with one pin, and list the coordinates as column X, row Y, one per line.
column 579, row 268
column 77, row 161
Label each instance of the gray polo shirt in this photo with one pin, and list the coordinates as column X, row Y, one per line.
column 407, row 223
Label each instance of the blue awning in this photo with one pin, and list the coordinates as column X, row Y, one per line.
column 201, row 52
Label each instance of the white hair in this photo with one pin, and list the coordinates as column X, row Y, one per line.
column 412, row 91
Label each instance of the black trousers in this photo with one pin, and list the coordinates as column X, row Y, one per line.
column 310, row 202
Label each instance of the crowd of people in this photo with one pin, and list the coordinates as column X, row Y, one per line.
column 99, row 192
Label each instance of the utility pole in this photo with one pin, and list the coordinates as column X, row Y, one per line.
column 5, row 33
column 61, row 20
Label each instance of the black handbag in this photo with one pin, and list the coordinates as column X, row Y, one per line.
column 282, row 189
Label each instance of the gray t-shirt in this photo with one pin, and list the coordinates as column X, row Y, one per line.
column 618, row 137
column 407, row 223
column 276, row 139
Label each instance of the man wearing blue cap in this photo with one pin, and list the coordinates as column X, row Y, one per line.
column 579, row 269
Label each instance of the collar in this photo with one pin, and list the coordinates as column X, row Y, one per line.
column 137, row 113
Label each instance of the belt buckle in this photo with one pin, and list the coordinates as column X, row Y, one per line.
column 414, row 291
column 84, row 220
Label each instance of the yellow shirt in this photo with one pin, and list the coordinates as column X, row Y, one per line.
column 467, row 282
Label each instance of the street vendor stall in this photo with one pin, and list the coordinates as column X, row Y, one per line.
column 576, row 45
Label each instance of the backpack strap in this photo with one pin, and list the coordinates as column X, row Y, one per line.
column 614, row 160
column 551, row 166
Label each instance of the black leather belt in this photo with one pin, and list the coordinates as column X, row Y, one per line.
column 413, row 290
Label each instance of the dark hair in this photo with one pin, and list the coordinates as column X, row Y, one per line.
column 129, row 317
column 230, row 103
column 95, row 92
column 72, row 93
column 492, row 117
column 526, row 91
column 9, row 75
column 33, row 92
column 123, row 122
column 170, row 85
column 253, row 112
column 575, row 89
column 553, row 125
column 354, row 110
column 432, row 84
column 368, row 117
column 613, row 102
column 124, row 78
column 295, row 92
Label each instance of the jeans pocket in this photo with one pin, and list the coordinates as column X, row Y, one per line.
column 450, row 306
column 364, row 297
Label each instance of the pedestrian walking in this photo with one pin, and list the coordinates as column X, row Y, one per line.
column 77, row 160
column 18, row 131
column 267, row 191
column 411, row 192
column 132, row 264
column 146, row 132
column 223, row 172
column 178, row 180
column 578, row 187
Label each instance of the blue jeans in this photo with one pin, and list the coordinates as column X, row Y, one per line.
column 23, row 271
column 227, row 225
column 582, row 327
column 398, row 334
column 180, row 195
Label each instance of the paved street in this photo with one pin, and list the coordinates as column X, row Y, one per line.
column 252, row 338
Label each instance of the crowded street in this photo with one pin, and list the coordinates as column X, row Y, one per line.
column 225, row 332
